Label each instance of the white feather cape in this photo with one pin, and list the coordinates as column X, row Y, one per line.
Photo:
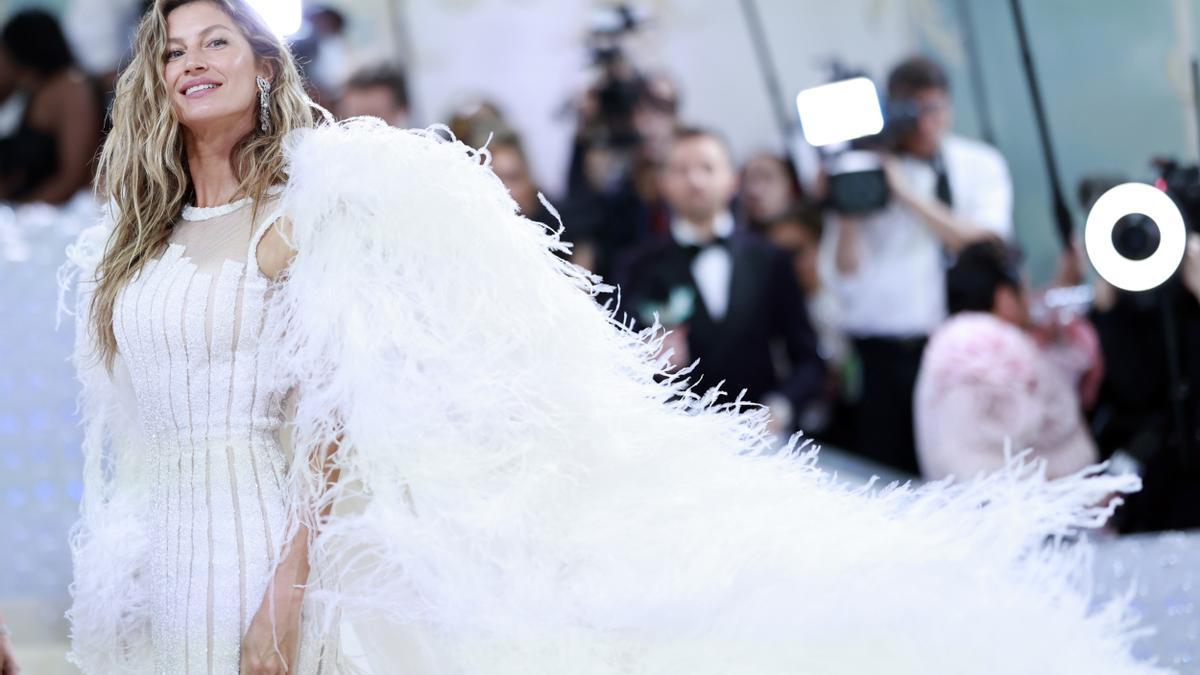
column 519, row 494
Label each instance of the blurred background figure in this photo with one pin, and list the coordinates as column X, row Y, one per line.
column 770, row 189
column 613, row 199
column 625, row 121
column 729, row 297
column 8, row 660
column 991, row 378
column 12, row 99
column 947, row 192
column 798, row 231
column 655, row 115
column 1147, row 419
column 48, row 156
column 380, row 91
column 322, row 50
column 512, row 167
column 478, row 121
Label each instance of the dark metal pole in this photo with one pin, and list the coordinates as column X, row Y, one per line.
column 766, row 66
column 1062, row 215
column 1196, row 100
column 971, row 37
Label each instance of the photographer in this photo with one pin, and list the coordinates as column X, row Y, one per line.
column 1151, row 341
column 947, row 192
column 625, row 125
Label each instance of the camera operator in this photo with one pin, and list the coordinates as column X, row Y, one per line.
column 1149, row 394
column 946, row 192
column 625, row 121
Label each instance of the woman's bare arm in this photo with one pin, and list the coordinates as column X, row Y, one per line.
column 272, row 641
column 68, row 110
column 274, row 253
column 274, row 632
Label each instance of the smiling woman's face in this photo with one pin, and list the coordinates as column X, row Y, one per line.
column 209, row 68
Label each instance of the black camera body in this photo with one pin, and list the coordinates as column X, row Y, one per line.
column 1136, row 236
column 857, row 185
column 620, row 86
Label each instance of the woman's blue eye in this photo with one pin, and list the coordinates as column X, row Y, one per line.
column 174, row 53
column 219, row 42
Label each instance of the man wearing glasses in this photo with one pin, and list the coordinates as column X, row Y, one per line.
column 889, row 265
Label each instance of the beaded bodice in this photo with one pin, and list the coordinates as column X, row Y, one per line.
column 188, row 330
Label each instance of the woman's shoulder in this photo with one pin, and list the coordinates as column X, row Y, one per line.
column 274, row 251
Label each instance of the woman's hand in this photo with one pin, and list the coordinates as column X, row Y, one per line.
column 260, row 655
column 272, row 641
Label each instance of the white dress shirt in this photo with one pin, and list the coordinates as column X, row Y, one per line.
column 898, row 289
column 712, row 268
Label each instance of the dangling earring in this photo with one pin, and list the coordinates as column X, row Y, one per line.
column 264, row 88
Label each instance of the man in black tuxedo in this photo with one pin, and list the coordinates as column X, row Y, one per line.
column 730, row 297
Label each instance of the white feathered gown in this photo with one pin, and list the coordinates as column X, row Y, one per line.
column 519, row 495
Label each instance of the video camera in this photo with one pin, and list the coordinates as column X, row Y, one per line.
column 620, row 87
column 846, row 120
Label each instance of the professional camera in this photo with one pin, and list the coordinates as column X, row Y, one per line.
column 847, row 121
column 1136, row 236
column 1147, row 412
column 620, row 86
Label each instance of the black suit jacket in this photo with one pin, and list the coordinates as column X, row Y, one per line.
column 766, row 311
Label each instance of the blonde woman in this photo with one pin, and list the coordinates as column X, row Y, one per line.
column 347, row 412
column 190, row 169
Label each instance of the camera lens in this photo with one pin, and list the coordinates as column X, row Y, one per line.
column 1135, row 236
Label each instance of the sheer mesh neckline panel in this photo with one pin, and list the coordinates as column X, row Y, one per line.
column 219, row 256
column 208, row 244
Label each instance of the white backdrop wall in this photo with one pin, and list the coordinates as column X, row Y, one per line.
column 529, row 56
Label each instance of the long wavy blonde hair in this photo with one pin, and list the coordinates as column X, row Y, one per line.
column 143, row 165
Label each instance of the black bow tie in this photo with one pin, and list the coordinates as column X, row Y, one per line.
column 694, row 250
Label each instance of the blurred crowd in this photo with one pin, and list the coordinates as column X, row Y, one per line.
column 906, row 334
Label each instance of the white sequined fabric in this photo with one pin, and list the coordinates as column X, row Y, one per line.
column 188, row 328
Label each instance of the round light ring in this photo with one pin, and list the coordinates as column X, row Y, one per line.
column 1122, row 272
